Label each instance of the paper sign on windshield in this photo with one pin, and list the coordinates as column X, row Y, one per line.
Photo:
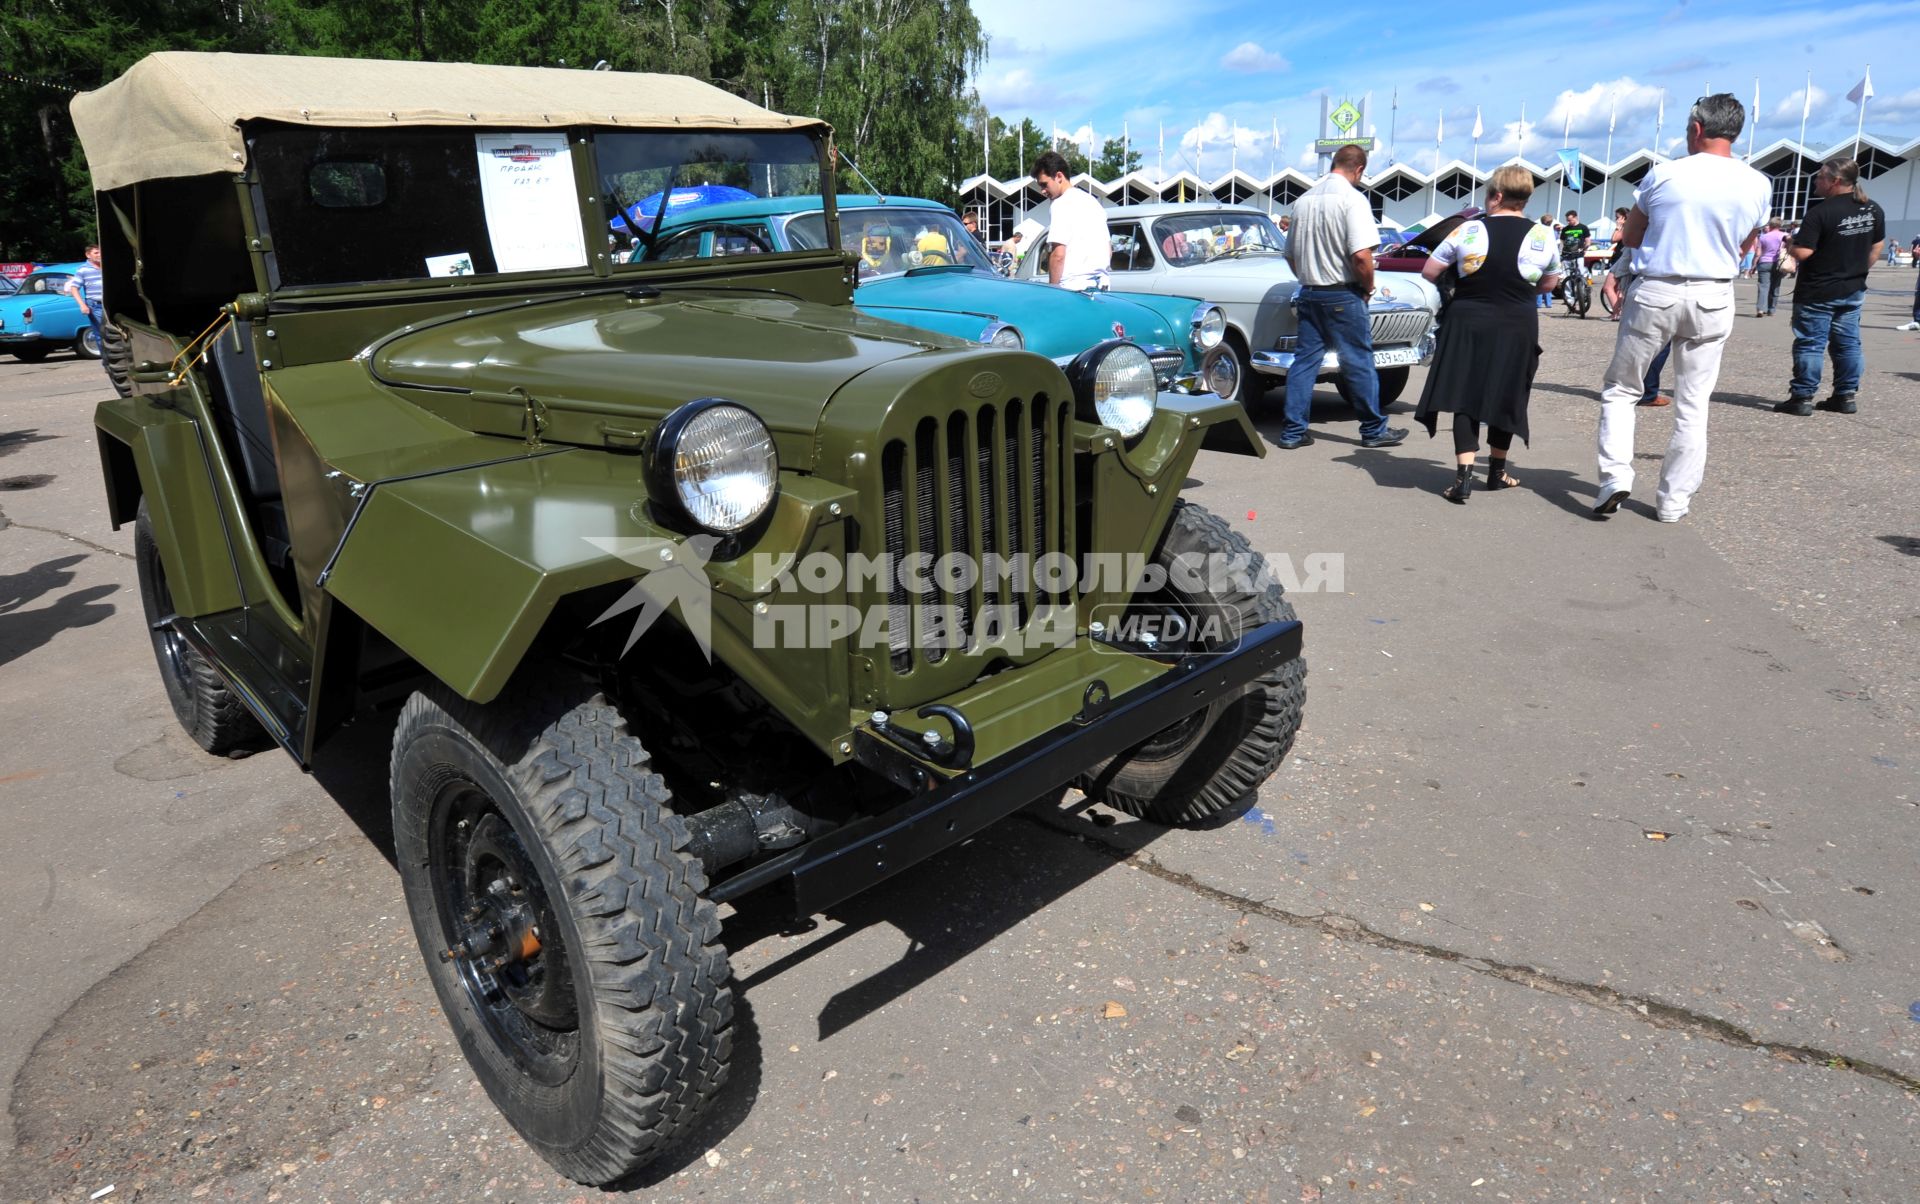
column 533, row 212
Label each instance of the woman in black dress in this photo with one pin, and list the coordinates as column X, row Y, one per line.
column 1489, row 340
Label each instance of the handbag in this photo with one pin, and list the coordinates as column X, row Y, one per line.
column 1786, row 264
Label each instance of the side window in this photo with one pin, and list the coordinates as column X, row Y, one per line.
column 740, row 240
column 1130, row 250
column 685, row 245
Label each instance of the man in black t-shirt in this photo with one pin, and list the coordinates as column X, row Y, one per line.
column 1575, row 237
column 1836, row 245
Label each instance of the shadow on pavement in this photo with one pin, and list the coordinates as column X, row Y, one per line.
column 1910, row 544
column 954, row 904
column 1556, row 486
column 22, row 631
column 13, row 441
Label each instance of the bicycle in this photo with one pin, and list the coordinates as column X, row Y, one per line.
column 1575, row 289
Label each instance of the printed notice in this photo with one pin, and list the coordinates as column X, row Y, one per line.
column 533, row 212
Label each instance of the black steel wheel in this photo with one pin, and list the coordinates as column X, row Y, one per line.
column 202, row 700
column 1216, row 757
column 118, row 354
column 565, row 928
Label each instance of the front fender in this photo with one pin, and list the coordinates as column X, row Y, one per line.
column 463, row 569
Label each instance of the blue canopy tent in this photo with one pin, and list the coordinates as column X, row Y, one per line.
column 643, row 213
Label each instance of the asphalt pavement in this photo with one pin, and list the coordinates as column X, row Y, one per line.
column 1588, row 878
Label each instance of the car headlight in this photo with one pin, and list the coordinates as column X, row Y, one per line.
column 713, row 463
column 1113, row 383
column 1002, row 334
column 1209, row 327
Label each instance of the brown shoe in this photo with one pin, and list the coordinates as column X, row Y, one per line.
column 1659, row 400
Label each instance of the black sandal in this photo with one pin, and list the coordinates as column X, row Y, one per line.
column 1462, row 487
column 1497, row 477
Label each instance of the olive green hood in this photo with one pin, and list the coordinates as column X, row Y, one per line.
column 635, row 358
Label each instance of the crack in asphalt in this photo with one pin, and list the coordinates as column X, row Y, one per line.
column 6, row 522
column 1636, row 1007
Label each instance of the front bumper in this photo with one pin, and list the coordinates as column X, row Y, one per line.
column 947, row 810
column 1279, row 363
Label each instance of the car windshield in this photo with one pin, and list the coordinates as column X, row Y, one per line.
column 45, row 282
column 889, row 241
column 1189, row 238
column 700, row 168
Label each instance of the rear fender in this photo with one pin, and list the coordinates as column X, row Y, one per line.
column 158, row 453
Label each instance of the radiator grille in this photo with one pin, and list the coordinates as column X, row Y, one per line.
column 984, row 482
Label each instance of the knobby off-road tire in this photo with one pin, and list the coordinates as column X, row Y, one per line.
column 202, row 701
column 118, row 354
column 607, row 1044
column 1218, row 756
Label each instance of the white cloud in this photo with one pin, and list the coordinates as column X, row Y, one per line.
column 1904, row 109
column 1252, row 59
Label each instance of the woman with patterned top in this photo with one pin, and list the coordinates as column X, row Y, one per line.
column 1489, row 345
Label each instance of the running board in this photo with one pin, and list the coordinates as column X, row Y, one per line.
column 262, row 663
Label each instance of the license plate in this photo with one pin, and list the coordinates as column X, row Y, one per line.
column 1393, row 357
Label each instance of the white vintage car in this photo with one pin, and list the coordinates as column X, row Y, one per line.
column 1229, row 255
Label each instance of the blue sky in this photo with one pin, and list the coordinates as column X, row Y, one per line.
column 1220, row 73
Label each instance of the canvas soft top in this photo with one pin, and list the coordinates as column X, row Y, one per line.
column 178, row 113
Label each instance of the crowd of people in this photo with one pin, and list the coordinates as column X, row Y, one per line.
column 1697, row 224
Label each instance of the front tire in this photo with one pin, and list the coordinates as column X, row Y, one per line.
column 589, row 991
column 1218, row 756
column 32, row 353
column 202, row 700
column 1392, row 383
column 1227, row 372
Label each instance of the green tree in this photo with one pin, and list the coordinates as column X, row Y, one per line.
column 1117, row 158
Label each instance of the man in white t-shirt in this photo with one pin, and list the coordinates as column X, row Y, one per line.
column 1076, row 228
column 1692, row 221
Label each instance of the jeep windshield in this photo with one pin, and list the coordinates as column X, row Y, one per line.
column 1189, row 238
column 642, row 173
column 889, row 240
column 357, row 205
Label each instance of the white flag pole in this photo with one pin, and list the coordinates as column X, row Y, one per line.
column 1753, row 130
column 1606, row 181
column 1866, row 94
column 1478, row 130
column 1566, row 132
column 1799, row 204
column 1660, row 123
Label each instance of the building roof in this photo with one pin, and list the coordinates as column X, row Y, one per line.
column 178, row 113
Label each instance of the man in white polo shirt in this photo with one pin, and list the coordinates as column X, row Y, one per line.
column 1692, row 221
column 1076, row 228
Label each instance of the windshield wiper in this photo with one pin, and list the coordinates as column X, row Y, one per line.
column 647, row 237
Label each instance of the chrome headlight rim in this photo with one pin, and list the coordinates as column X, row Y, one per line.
column 665, row 474
column 1129, row 414
column 1003, row 334
column 1209, row 326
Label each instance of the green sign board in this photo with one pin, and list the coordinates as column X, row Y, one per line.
column 1326, row 146
column 1345, row 117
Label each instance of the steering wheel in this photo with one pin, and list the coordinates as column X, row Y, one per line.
column 753, row 236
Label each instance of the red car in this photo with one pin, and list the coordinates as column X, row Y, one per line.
column 1411, row 256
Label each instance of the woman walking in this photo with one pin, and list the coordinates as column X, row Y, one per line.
column 1769, row 249
column 1490, row 342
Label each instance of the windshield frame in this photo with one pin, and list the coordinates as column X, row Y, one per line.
column 1213, row 217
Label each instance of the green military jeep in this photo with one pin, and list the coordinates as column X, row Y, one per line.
column 685, row 578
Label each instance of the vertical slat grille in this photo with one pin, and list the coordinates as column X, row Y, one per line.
column 994, row 482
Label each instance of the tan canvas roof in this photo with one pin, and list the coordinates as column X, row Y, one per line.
column 178, row 113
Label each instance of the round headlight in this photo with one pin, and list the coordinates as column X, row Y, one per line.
column 1000, row 334
column 715, row 463
column 1115, row 386
column 1209, row 327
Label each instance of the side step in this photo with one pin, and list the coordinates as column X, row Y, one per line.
column 266, row 666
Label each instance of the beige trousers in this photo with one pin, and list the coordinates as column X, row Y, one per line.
column 1695, row 316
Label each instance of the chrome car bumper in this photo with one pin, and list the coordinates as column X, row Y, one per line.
column 1279, row 363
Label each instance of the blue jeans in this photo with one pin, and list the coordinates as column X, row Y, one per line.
column 1769, row 294
column 1333, row 319
column 1820, row 327
column 1650, row 384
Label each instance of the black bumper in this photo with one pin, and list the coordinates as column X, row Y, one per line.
column 864, row 853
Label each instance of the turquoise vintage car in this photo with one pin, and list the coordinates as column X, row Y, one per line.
column 39, row 317
column 919, row 266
